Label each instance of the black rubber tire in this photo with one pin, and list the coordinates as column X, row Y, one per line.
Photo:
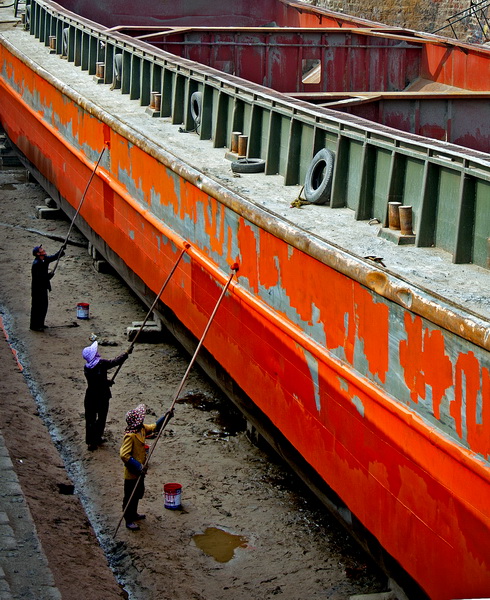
column 248, row 165
column 318, row 181
column 196, row 107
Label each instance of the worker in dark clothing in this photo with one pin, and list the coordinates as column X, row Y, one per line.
column 98, row 392
column 41, row 285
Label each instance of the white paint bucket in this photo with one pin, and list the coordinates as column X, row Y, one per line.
column 172, row 493
column 83, row 310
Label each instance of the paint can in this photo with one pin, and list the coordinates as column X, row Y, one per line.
column 82, row 310
column 172, row 493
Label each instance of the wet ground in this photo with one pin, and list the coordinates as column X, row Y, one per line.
column 246, row 528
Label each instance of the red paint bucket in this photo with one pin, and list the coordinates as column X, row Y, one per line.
column 172, row 493
column 82, row 310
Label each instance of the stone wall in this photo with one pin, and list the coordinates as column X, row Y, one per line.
column 421, row 15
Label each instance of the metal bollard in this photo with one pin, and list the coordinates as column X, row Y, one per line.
column 406, row 220
column 99, row 70
column 234, row 141
column 394, row 215
column 156, row 100
column 242, row 145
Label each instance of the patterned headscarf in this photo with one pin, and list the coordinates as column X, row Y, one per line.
column 135, row 418
column 91, row 355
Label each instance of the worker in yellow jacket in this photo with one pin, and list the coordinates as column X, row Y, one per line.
column 133, row 454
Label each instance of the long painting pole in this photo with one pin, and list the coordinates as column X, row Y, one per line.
column 169, row 413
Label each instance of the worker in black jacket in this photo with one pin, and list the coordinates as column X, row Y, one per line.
column 98, row 392
column 41, row 285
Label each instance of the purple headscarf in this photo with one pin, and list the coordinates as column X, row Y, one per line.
column 135, row 418
column 91, row 356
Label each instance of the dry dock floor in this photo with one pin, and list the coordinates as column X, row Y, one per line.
column 292, row 549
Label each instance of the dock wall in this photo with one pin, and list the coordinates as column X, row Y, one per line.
column 421, row 15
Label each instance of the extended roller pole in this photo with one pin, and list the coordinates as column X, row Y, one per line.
column 169, row 413
column 184, row 250
column 78, row 209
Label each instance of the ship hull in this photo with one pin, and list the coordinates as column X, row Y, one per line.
column 339, row 368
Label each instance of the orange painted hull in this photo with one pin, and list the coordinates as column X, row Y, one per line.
column 342, row 372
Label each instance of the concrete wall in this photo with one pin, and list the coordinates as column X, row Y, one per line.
column 421, row 15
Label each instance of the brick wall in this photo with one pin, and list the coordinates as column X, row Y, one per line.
column 421, row 15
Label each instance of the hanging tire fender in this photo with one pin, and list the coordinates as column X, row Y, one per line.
column 248, row 165
column 196, row 107
column 318, row 180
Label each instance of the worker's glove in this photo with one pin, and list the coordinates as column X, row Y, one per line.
column 168, row 415
column 134, row 466
column 129, row 350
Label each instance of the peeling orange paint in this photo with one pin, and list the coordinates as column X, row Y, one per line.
column 137, row 170
column 372, row 320
column 248, row 256
column 273, row 261
column 424, row 361
column 297, row 274
column 190, row 200
column 229, row 247
column 471, row 385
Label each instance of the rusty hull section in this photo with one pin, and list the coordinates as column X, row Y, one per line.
column 182, row 13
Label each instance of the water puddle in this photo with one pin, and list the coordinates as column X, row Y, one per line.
column 219, row 544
